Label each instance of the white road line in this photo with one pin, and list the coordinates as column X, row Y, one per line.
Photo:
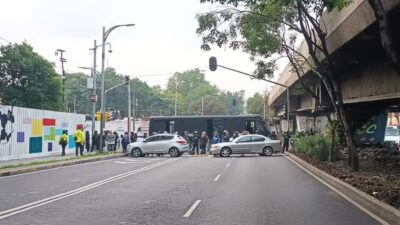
column 56, row 168
column 366, row 211
column 217, row 177
column 195, row 204
column 120, row 162
column 26, row 207
column 227, row 165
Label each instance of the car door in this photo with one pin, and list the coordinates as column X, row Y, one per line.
column 163, row 144
column 242, row 145
column 257, row 143
column 150, row 144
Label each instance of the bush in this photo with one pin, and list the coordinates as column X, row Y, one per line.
column 315, row 146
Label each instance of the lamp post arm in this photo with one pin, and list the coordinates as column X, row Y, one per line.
column 114, row 87
column 247, row 74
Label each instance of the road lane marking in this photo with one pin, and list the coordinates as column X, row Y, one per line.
column 217, row 178
column 56, row 168
column 26, row 207
column 195, row 204
column 366, row 211
column 228, row 164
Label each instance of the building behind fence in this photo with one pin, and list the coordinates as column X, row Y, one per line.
column 29, row 132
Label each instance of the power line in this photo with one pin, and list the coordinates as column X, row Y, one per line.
column 5, row 40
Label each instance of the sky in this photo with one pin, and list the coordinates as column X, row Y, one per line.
column 163, row 40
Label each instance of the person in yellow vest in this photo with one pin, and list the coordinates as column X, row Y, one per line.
column 63, row 141
column 79, row 138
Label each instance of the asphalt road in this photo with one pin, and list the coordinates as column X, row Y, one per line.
column 186, row 190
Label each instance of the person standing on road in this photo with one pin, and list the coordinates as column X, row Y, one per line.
column 95, row 141
column 235, row 135
column 110, row 140
column 63, row 141
column 87, row 141
column 225, row 136
column 195, row 142
column 125, row 142
column 286, row 140
column 203, row 142
column 116, row 141
column 79, row 138
column 216, row 139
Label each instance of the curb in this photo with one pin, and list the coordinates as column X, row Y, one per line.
column 380, row 211
column 56, row 165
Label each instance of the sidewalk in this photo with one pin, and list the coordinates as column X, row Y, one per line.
column 26, row 165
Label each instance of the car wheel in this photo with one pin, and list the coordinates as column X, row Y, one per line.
column 225, row 152
column 267, row 151
column 174, row 152
column 136, row 152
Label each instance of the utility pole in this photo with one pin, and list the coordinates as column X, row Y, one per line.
column 62, row 60
column 176, row 93
column 129, row 103
column 94, row 75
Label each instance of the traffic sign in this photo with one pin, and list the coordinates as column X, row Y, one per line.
column 93, row 98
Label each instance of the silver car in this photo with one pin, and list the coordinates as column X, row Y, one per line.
column 174, row 145
column 247, row 144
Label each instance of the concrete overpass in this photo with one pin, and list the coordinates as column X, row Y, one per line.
column 368, row 81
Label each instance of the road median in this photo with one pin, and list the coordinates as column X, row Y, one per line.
column 37, row 165
column 380, row 211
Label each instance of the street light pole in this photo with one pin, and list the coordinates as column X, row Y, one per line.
column 176, row 94
column 94, row 88
column 104, row 38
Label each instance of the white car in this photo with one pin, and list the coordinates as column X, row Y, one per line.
column 247, row 144
column 173, row 145
column 392, row 135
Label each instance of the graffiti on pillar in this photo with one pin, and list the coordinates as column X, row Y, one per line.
column 6, row 132
column 372, row 131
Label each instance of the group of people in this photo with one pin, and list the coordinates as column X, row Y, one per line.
column 111, row 140
column 202, row 142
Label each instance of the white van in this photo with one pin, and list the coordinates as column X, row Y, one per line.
column 392, row 135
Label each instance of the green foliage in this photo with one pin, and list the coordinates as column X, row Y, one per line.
column 27, row 79
column 191, row 87
column 255, row 104
column 315, row 146
column 340, row 138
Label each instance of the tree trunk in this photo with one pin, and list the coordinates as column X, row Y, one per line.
column 351, row 147
column 331, row 157
column 384, row 31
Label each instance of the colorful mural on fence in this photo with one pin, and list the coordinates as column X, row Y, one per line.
column 30, row 132
column 371, row 131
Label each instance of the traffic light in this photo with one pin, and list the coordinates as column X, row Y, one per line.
column 98, row 116
column 106, row 116
column 212, row 63
column 127, row 80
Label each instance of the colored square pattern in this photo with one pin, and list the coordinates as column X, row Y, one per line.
column 27, row 121
column 35, row 145
column 49, row 122
column 49, row 133
column 37, row 128
column 59, row 132
column 20, row 137
column 49, row 147
column 71, row 141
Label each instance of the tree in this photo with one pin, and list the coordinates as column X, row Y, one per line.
column 76, row 93
column 191, row 87
column 27, row 79
column 234, row 102
column 268, row 29
column 211, row 106
column 255, row 104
